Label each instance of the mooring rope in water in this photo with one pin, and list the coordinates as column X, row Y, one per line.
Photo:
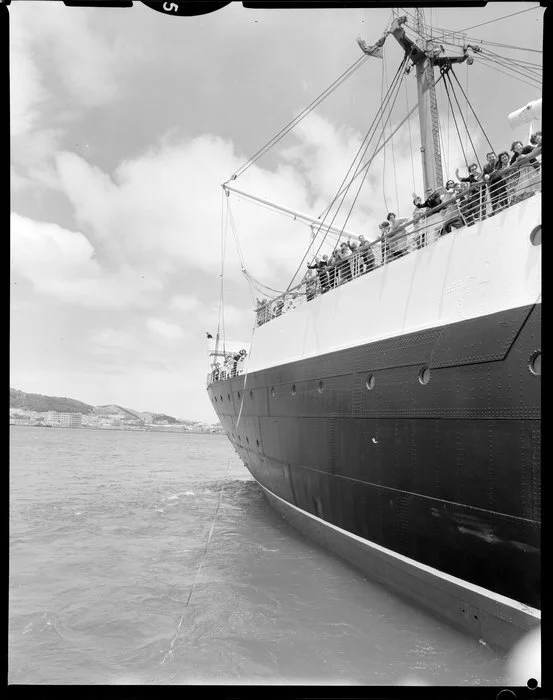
column 196, row 577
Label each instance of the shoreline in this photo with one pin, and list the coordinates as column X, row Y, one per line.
column 129, row 429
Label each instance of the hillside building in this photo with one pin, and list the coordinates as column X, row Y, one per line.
column 64, row 420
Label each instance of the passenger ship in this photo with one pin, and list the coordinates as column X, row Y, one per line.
column 406, row 437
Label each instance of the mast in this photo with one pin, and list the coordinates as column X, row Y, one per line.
column 427, row 98
column 425, row 57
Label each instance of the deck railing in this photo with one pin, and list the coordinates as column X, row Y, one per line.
column 481, row 200
column 229, row 369
column 474, row 203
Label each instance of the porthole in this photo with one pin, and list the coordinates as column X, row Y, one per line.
column 221, row 398
column 247, row 439
column 534, row 364
column 424, row 375
column 228, row 397
column 257, row 442
column 251, row 394
column 370, row 382
column 321, row 387
column 293, row 389
column 273, row 392
column 238, row 395
column 535, row 235
column 215, row 399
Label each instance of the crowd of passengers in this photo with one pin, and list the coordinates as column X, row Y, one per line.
column 232, row 365
column 468, row 204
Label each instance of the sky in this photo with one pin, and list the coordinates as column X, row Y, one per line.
column 124, row 124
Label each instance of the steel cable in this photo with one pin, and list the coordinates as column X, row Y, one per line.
column 455, row 121
column 346, row 74
column 395, row 83
column 366, row 139
column 464, row 122
column 488, row 64
column 472, row 109
column 365, row 174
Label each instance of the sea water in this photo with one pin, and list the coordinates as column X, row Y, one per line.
column 153, row 558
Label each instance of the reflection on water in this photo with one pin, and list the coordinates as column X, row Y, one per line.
column 111, row 581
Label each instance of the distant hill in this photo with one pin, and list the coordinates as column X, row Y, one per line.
column 39, row 402
column 159, row 417
column 112, row 408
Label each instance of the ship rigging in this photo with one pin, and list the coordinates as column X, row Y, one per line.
column 388, row 404
column 424, row 51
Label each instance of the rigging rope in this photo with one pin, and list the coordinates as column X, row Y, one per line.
column 466, row 109
column 487, row 63
column 456, row 127
column 252, row 281
column 260, row 285
column 499, row 18
column 384, row 152
column 346, row 74
column 245, row 376
column 239, row 250
column 443, row 33
column 512, row 65
column 517, row 73
column 449, row 32
column 410, row 139
column 392, row 142
column 359, row 155
column 382, row 108
column 221, row 319
column 504, row 61
column 505, row 46
column 464, row 123
column 472, row 109
column 233, row 228
column 377, row 149
column 536, row 68
column 367, row 138
column 448, row 130
column 444, row 153
column 396, row 85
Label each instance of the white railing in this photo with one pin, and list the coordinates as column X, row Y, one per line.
column 231, row 368
column 475, row 203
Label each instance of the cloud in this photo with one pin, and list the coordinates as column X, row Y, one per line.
column 162, row 210
column 154, row 223
column 87, row 62
column 27, row 92
column 170, row 331
column 184, row 303
column 61, row 264
column 61, row 64
column 322, row 153
column 108, row 341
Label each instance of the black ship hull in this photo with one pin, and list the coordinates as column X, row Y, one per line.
column 426, row 445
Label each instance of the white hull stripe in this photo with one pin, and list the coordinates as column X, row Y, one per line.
column 495, row 597
column 476, row 271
